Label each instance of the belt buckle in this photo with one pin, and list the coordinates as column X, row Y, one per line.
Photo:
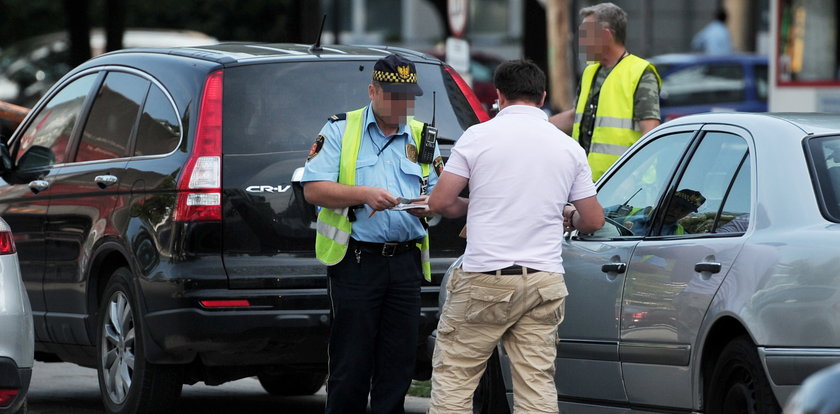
column 389, row 249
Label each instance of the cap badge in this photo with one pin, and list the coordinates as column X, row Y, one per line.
column 403, row 71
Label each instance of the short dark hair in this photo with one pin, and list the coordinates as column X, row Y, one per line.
column 520, row 80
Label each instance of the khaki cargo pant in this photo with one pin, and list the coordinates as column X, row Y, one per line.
column 522, row 311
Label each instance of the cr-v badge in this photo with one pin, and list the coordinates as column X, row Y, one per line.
column 267, row 188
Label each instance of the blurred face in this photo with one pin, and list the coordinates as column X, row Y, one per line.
column 391, row 107
column 593, row 38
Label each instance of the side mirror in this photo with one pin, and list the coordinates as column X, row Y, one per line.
column 36, row 157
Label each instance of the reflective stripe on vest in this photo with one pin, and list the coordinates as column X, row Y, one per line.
column 333, row 225
column 614, row 130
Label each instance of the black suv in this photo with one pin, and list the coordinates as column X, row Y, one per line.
column 162, row 234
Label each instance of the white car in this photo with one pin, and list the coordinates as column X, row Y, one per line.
column 17, row 348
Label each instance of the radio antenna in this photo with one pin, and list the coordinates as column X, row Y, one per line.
column 434, row 102
column 317, row 46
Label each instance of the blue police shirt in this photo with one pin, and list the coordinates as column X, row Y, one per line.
column 391, row 170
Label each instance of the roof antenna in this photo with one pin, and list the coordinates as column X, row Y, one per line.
column 317, row 46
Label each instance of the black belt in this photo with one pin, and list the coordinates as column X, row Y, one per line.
column 386, row 249
column 511, row 270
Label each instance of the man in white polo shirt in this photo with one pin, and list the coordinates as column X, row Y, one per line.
column 521, row 171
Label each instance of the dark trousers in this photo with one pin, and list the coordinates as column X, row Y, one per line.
column 373, row 337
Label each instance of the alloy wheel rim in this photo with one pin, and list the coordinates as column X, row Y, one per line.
column 118, row 348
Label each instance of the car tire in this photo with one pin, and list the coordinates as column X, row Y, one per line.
column 490, row 396
column 738, row 383
column 296, row 383
column 127, row 382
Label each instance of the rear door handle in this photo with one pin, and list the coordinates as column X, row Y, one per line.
column 710, row 267
column 614, row 267
column 36, row 186
column 104, row 181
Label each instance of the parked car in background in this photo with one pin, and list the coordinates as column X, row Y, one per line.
column 29, row 67
column 163, row 234
column 16, row 330
column 729, row 310
column 694, row 83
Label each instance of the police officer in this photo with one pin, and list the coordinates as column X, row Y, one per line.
column 360, row 165
column 618, row 97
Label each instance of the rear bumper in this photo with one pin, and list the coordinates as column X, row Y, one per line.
column 242, row 337
column 15, row 378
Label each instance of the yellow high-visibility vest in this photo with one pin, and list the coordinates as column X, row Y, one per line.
column 615, row 130
column 334, row 227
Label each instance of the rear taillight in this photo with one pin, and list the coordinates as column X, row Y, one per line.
column 7, row 240
column 475, row 104
column 6, row 397
column 200, row 185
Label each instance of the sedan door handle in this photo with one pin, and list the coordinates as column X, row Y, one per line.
column 36, row 186
column 104, row 181
column 710, row 267
column 614, row 267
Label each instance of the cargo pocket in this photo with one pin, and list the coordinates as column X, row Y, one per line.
column 490, row 305
column 551, row 307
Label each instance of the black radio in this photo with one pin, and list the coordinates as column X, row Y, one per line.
column 427, row 149
column 428, row 139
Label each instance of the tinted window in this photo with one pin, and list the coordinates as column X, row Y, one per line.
column 694, row 208
column 630, row 194
column 54, row 124
column 825, row 162
column 159, row 131
column 112, row 117
column 704, row 84
column 281, row 107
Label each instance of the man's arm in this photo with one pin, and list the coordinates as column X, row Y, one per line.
column 648, row 124
column 444, row 199
column 334, row 195
column 588, row 215
column 564, row 120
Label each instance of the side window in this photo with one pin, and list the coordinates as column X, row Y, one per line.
column 735, row 217
column 112, row 117
column 159, row 131
column 630, row 194
column 761, row 81
column 694, row 206
column 44, row 142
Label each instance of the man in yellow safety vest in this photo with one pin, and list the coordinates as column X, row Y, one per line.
column 618, row 97
column 364, row 162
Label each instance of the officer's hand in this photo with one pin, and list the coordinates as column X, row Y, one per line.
column 379, row 199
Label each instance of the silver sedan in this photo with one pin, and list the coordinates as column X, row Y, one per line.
column 16, row 329
column 714, row 286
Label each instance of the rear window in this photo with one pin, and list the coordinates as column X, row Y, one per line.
column 282, row 106
column 824, row 153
